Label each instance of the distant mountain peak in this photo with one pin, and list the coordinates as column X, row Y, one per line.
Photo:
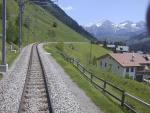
column 107, row 29
column 124, row 23
column 127, row 22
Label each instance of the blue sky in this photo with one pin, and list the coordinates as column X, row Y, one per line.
column 91, row 11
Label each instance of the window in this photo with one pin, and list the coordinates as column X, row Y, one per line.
column 127, row 69
column 132, row 69
column 105, row 64
column 118, row 67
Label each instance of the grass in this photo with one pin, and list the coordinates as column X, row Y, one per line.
column 10, row 55
column 97, row 97
column 82, row 53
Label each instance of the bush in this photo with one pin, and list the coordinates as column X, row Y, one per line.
column 55, row 24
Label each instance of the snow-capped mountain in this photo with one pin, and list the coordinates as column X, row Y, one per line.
column 106, row 29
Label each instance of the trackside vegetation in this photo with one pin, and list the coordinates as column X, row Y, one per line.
column 82, row 52
column 98, row 98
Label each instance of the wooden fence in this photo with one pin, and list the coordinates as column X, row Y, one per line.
column 106, row 86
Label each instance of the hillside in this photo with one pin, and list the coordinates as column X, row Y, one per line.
column 55, row 10
column 42, row 27
column 140, row 42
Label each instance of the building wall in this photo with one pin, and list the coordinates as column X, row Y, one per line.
column 108, row 63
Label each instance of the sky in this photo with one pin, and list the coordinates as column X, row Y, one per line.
column 90, row 11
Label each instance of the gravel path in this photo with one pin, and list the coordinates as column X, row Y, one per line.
column 11, row 86
column 65, row 95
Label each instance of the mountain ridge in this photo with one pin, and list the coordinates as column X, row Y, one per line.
column 122, row 30
column 56, row 11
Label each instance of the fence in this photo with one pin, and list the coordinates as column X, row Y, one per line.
column 115, row 93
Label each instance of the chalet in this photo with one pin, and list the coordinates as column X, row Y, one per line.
column 133, row 65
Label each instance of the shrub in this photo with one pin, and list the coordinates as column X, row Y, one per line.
column 55, row 24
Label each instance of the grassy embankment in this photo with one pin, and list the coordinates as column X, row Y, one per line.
column 81, row 52
column 98, row 98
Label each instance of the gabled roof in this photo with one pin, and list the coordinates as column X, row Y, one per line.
column 128, row 59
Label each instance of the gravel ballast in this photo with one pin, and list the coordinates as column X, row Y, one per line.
column 66, row 96
column 12, row 84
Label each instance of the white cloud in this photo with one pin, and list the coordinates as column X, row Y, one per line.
column 68, row 8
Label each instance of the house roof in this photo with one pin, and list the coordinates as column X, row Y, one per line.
column 129, row 59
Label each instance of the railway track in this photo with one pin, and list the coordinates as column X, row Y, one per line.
column 35, row 98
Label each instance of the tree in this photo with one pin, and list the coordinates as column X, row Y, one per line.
column 105, row 44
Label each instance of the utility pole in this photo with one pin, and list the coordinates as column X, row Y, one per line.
column 90, row 61
column 21, row 8
column 4, row 66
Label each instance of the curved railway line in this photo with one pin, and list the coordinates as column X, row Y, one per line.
column 35, row 97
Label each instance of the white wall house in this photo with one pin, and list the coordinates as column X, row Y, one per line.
column 122, row 63
column 122, row 49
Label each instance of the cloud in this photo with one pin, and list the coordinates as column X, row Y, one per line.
column 68, row 8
